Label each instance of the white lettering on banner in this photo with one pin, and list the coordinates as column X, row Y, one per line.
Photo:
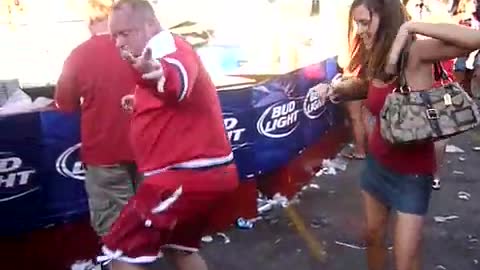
column 69, row 166
column 313, row 105
column 12, row 175
column 10, row 164
column 278, row 121
column 234, row 134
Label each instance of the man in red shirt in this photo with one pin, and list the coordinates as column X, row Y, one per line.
column 93, row 80
column 179, row 143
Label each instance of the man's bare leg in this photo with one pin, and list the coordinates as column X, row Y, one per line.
column 185, row 260
column 119, row 265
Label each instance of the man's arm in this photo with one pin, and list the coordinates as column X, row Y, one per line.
column 180, row 71
column 67, row 94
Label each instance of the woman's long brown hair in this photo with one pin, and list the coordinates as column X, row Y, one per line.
column 370, row 64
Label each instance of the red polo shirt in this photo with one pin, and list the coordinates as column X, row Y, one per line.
column 95, row 73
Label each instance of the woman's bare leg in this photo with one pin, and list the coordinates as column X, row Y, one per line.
column 377, row 223
column 408, row 241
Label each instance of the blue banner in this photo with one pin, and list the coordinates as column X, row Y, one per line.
column 41, row 177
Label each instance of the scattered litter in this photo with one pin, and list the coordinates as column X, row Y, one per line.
column 349, row 245
column 462, row 195
column 277, row 241
column 476, row 148
column 299, row 250
column 462, row 159
column 440, row 267
column 314, row 186
column 207, row 239
column 265, row 205
column 330, row 166
column 326, row 171
column 247, row 224
column 319, row 222
column 472, row 239
column 458, row 173
column 454, row 149
column 83, row 265
column 443, row 219
column 226, row 239
column 475, row 262
column 332, row 192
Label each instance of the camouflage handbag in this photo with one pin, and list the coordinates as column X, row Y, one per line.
column 413, row 116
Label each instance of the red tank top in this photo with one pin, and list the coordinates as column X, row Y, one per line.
column 404, row 159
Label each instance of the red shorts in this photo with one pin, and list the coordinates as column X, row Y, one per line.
column 170, row 210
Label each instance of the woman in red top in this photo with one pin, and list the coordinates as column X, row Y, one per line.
column 397, row 178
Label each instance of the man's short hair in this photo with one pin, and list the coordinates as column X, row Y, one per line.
column 98, row 10
column 141, row 6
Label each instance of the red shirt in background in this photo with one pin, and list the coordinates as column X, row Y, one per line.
column 183, row 123
column 95, row 73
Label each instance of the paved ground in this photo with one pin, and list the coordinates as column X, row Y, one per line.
column 336, row 213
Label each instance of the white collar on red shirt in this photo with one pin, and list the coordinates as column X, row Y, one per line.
column 161, row 44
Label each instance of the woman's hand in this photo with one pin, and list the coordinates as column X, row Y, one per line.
column 404, row 34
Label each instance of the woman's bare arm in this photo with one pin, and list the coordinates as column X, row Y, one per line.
column 453, row 34
column 350, row 88
column 430, row 50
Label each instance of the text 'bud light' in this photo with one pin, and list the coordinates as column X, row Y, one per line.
column 279, row 121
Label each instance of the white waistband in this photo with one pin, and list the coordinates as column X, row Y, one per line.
column 194, row 164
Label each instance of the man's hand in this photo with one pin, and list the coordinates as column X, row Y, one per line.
column 128, row 103
column 149, row 67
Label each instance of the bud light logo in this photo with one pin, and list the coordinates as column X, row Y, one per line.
column 15, row 177
column 234, row 131
column 279, row 120
column 69, row 166
column 313, row 104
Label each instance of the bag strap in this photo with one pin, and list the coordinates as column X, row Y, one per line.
column 402, row 79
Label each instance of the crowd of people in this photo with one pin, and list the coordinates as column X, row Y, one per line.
column 158, row 160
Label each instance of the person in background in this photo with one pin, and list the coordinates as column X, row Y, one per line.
column 396, row 178
column 179, row 143
column 93, row 81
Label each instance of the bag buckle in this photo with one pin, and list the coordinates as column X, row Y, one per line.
column 432, row 114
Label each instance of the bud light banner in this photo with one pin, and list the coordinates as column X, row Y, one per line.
column 42, row 178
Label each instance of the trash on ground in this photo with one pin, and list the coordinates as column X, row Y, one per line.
column 452, row 149
column 440, row 267
column 319, row 222
column 349, row 245
column 247, row 224
column 472, row 239
column 462, row 195
column 458, row 173
column 443, row 219
column 462, row 159
column 314, row 186
column 476, row 148
column 226, row 239
column 265, row 205
column 207, row 239
column 330, row 166
column 277, row 241
column 83, row 265
column 475, row 262
column 326, row 171
column 337, row 163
